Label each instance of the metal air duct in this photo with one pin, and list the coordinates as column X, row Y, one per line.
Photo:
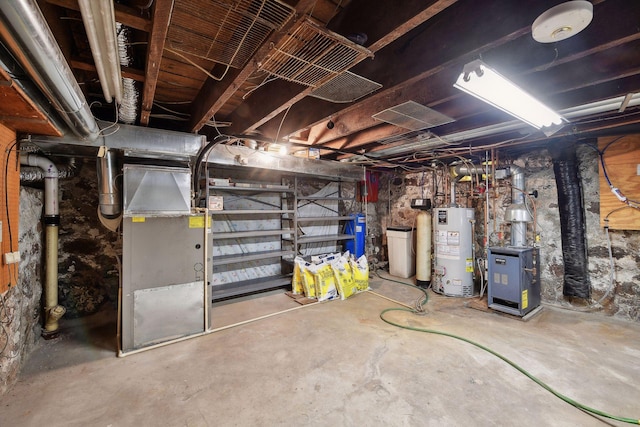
column 27, row 35
column 109, row 194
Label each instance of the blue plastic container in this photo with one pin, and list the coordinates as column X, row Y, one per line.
column 357, row 227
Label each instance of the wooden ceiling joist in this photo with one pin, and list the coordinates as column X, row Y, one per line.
column 159, row 28
column 275, row 98
column 214, row 95
column 128, row 16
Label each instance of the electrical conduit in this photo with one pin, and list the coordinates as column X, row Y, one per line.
column 53, row 311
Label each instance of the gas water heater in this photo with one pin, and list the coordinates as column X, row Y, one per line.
column 453, row 252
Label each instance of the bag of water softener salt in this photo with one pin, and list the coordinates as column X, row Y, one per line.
column 325, row 282
column 360, row 269
column 297, row 287
column 344, row 277
column 308, row 281
column 318, row 259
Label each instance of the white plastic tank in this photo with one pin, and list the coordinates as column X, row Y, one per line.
column 453, row 252
column 423, row 248
column 402, row 260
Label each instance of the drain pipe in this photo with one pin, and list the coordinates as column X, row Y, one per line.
column 53, row 311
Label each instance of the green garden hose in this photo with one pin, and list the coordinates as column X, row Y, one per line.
column 496, row 354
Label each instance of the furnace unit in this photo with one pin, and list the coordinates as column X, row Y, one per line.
column 514, row 280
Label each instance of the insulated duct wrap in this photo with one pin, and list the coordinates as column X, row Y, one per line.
column 33, row 174
column 572, row 221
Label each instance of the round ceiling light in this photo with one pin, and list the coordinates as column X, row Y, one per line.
column 562, row 21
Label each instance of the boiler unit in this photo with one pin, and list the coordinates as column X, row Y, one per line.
column 514, row 280
column 453, row 252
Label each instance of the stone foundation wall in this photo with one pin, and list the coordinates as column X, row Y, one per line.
column 622, row 300
column 88, row 266
column 20, row 312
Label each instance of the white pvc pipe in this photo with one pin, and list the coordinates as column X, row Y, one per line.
column 53, row 310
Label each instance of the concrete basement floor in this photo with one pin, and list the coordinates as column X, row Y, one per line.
column 337, row 364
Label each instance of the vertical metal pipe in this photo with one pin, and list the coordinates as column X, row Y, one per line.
column 109, row 195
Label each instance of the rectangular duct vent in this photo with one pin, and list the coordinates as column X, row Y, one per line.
column 224, row 31
column 413, row 116
column 312, row 55
column 346, row 87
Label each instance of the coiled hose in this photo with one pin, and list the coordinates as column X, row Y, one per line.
column 420, row 310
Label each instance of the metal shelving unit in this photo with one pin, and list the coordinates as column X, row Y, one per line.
column 263, row 208
column 299, row 240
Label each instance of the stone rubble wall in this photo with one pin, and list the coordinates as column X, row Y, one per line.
column 22, row 311
column 623, row 301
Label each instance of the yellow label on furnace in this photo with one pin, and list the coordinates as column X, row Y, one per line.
column 525, row 299
column 138, row 219
column 198, row 222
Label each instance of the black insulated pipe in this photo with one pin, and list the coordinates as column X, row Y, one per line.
column 572, row 221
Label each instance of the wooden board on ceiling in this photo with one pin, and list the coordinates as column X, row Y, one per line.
column 10, row 196
column 19, row 113
column 621, row 160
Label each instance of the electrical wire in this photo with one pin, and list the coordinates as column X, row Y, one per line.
column 533, row 378
column 195, row 64
column 615, row 190
column 281, row 122
column 6, row 203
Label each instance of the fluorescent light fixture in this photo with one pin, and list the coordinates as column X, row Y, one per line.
column 99, row 22
column 483, row 82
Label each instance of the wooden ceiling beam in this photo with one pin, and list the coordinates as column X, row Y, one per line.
column 617, row 44
column 127, row 72
column 214, row 94
column 384, row 24
column 429, row 49
column 160, row 26
column 128, row 16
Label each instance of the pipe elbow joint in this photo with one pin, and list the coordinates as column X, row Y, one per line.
column 53, row 315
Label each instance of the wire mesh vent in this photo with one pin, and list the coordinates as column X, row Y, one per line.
column 312, row 55
column 228, row 32
column 413, row 116
column 346, row 87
